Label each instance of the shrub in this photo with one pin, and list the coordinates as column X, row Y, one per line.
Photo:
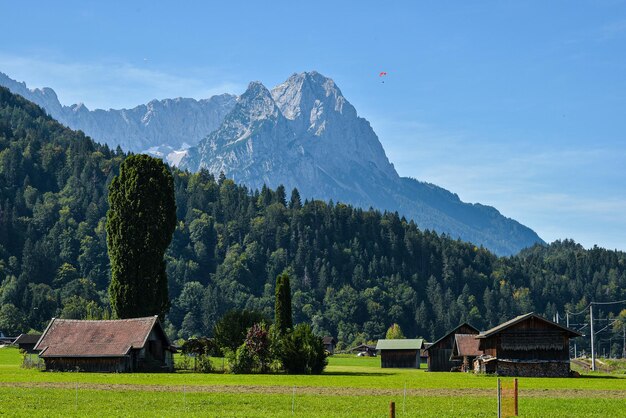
column 302, row 352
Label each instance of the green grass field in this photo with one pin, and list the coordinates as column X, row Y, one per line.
column 350, row 387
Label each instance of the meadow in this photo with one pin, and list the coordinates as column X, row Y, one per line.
column 349, row 387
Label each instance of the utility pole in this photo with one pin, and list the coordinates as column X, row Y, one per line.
column 593, row 353
column 569, row 348
column 624, row 342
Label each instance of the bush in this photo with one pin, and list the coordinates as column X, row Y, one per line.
column 302, row 352
column 242, row 360
column 255, row 354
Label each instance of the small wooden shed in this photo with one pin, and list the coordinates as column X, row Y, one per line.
column 400, row 353
column 440, row 352
column 124, row 345
column 528, row 345
column 465, row 349
column 364, row 350
column 329, row 344
column 27, row 342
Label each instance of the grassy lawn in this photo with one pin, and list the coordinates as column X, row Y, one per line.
column 351, row 386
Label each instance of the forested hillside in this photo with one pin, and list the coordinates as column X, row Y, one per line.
column 353, row 272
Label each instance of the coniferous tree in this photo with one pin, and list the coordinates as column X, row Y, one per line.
column 140, row 223
column 282, row 308
column 295, row 201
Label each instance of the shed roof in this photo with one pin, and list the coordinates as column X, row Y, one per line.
column 110, row 338
column 27, row 339
column 329, row 340
column 452, row 332
column 362, row 347
column 400, row 344
column 521, row 318
column 466, row 345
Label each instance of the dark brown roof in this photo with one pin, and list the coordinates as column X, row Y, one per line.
column 521, row 318
column 329, row 340
column 27, row 339
column 111, row 338
column 466, row 345
column 452, row 332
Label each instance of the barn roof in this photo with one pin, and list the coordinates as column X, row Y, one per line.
column 27, row 339
column 400, row 344
column 452, row 332
column 466, row 345
column 110, row 338
column 524, row 317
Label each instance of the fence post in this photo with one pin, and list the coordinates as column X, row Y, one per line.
column 404, row 400
column 499, row 400
column 392, row 409
column 516, row 408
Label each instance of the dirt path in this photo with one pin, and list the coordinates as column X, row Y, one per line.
column 324, row 391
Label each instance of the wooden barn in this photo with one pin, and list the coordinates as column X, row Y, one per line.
column 27, row 342
column 400, row 353
column 528, row 345
column 125, row 345
column 440, row 352
column 465, row 349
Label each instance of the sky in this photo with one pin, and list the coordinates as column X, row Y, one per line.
column 517, row 105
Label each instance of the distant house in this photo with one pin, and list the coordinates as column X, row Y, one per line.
column 329, row 344
column 400, row 353
column 364, row 350
column 125, row 345
column 465, row 349
column 528, row 345
column 27, row 342
column 440, row 352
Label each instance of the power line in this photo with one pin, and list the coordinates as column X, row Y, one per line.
column 578, row 313
column 595, row 303
column 608, row 303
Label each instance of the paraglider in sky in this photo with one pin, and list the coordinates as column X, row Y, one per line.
column 382, row 74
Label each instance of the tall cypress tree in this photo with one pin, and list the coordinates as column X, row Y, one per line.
column 140, row 223
column 282, row 305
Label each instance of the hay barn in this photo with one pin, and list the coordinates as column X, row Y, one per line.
column 125, row 345
column 440, row 352
column 465, row 349
column 528, row 345
column 400, row 353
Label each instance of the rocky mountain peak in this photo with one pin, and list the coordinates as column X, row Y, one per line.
column 310, row 99
column 256, row 103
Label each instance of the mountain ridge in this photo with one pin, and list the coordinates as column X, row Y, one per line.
column 302, row 134
column 158, row 127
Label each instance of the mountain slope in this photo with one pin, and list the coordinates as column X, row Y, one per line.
column 158, row 127
column 320, row 146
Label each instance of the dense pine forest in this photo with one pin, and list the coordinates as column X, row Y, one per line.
column 353, row 272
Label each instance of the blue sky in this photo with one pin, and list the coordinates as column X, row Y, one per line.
column 518, row 105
